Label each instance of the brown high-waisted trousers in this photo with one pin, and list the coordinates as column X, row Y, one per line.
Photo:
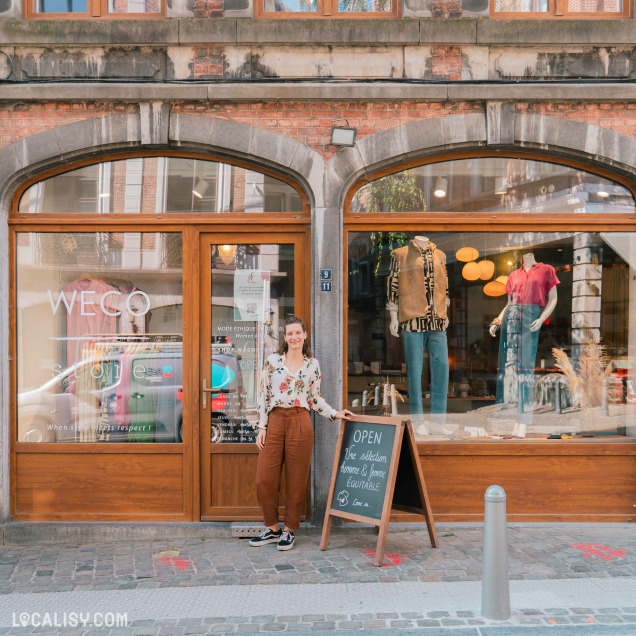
column 289, row 441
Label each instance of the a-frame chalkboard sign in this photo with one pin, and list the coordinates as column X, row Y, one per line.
column 376, row 470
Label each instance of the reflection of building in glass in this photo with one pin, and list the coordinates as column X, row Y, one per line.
column 157, row 185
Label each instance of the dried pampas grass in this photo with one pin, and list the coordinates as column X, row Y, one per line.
column 588, row 380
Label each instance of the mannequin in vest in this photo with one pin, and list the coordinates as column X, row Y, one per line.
column 532, row 297
column 417, row 291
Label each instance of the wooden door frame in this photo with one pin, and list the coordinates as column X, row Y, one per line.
column 193, row 236
column 301, row 239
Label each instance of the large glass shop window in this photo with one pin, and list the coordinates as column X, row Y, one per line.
column 158, row 185
column 494, row 335
column 99, row 337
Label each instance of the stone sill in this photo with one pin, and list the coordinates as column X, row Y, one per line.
column 245, row 31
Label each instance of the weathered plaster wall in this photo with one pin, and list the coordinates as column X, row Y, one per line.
column 210, row 48
column 230, row 61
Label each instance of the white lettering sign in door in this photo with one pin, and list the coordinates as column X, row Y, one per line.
column 251, row 295
column 85, row 301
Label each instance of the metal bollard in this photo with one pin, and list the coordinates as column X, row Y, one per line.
column 495, row 588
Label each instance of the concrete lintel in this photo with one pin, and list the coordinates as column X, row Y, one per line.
column 88, row 32
column 134, row 91
column 368, row 32
column 221, row 91
column 206, row 31
column 450, row 32
column 323, row 90
column 534, row 92
column 559, row 32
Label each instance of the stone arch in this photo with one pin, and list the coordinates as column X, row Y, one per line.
column 500, row 127
column 155, row 128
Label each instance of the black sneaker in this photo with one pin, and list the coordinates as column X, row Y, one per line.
column 265, row 537
column 286, row 541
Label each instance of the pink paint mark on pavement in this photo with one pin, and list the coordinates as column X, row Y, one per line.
column 598, row 551
column 393, row 558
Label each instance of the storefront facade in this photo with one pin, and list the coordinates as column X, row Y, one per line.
column 473, row 253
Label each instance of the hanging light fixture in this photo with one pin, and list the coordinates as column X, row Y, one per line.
column 494, row 288
column 471, row 271
column 467, row 254
column 227, row 253
column 486, row 269
column 441, row 187
column 502, row 279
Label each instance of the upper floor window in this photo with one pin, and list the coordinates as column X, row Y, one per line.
column 158, row 185
column 78, row 9
column 328, row 8
column 579, row 9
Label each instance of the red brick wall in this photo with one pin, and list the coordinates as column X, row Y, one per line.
column 311, row 121
column 308, row 121
column 208, row 61
column 446, row 9
column 20, row 120
column 618, row 116
column 208, row 8
column 447, row 62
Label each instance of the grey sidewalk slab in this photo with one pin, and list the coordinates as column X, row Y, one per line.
column 303, row 599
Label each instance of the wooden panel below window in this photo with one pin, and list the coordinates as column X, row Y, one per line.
column 577, row 482
column 99, row 487
column 233, row 487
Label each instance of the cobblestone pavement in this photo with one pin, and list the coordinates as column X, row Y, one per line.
column 534, row 553
column 574, row 621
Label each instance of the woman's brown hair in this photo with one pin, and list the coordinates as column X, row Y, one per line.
column 295, row 320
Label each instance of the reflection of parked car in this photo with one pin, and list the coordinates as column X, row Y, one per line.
column 134, row 397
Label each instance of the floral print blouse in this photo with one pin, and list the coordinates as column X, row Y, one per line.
column 279, row 387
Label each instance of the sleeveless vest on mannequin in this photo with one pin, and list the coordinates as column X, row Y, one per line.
column 412, row 301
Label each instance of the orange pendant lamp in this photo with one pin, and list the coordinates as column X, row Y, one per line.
column 471, row 271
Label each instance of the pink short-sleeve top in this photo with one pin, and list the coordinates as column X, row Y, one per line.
column 531, row 287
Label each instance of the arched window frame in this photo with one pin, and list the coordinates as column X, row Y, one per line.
column 477, row 220
column 168, row 218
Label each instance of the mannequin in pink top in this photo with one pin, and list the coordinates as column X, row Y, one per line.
column 532, row 297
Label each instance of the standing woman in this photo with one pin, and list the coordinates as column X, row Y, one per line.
column 290, row 387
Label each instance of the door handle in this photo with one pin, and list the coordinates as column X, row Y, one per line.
column 204, row 390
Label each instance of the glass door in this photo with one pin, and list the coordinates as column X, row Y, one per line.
column 248, row 290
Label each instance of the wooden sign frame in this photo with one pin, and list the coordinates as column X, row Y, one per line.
column 403, row 432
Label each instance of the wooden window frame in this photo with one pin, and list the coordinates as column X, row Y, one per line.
column 557, row 10
column 95, row 10
column 328, row 9
column 470, row 222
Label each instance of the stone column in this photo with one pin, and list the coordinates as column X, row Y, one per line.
column 587, row 282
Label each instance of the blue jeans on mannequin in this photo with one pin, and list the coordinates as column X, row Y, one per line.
column 517, row 356
column 437, row 345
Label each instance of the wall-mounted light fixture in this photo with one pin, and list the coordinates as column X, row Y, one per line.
column 602, row 193
column 501, row 185
column 343, row 135
column 441, row 187
column 200, row 188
